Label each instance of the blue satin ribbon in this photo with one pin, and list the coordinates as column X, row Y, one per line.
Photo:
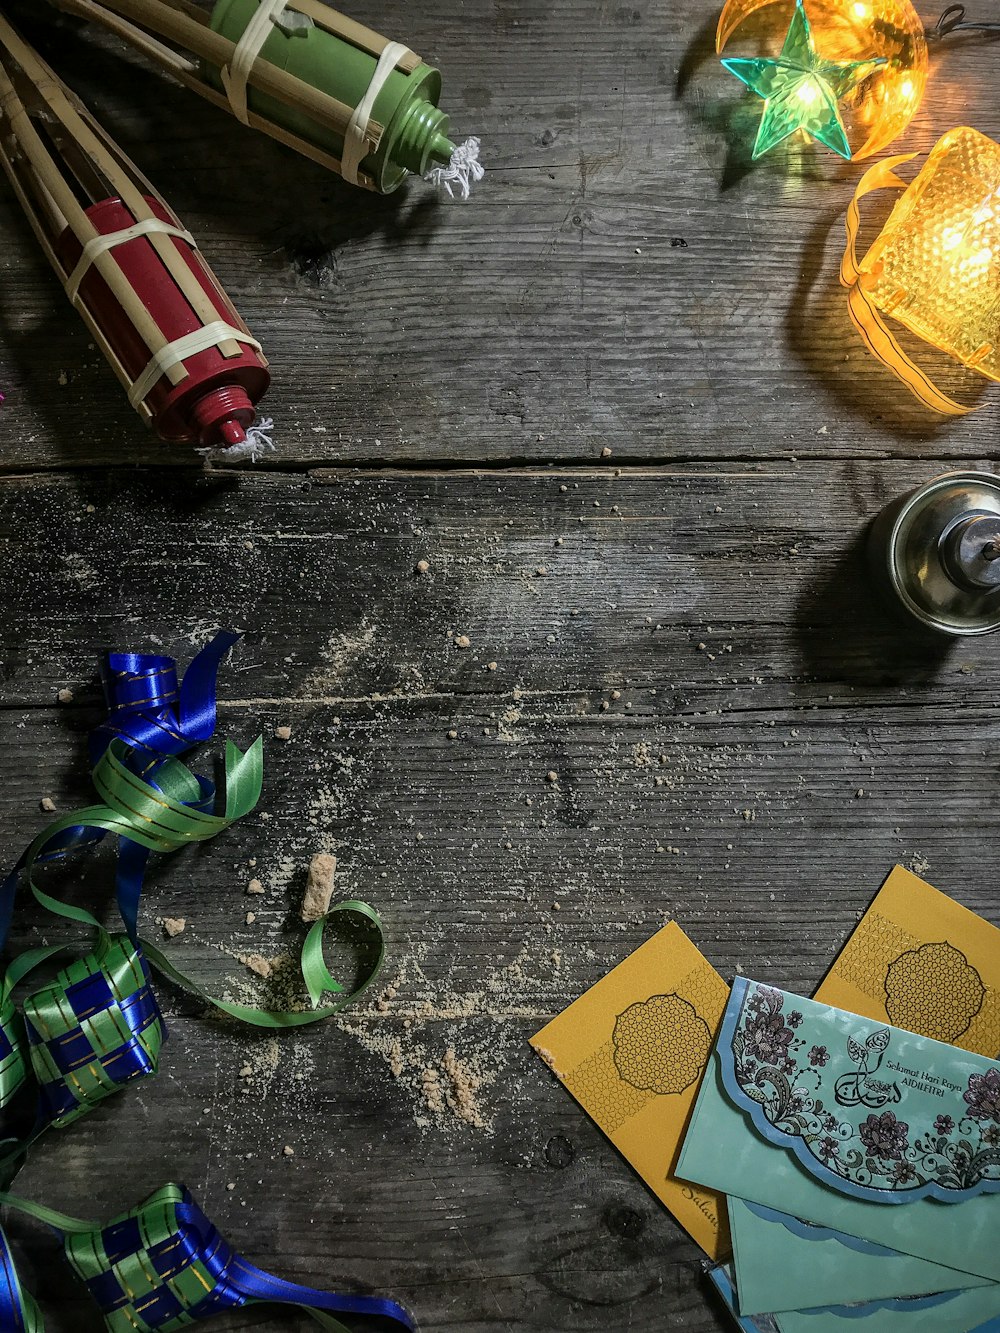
column 157, row 717
column 151, row 712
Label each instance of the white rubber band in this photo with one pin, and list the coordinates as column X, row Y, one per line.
column 236, row 74
column 355, row 143
column 172, row 354
column 98, row 244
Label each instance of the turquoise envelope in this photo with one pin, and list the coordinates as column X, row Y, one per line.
column 975, row 1311
column 853, row 1125
column 783, row 1263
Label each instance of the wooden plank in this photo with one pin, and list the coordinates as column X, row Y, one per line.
column 554, row 315
column 763, row 565
column 529, row 1221
column 789, row 775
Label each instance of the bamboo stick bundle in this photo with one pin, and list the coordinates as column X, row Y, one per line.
column 315, row 80
column 182, row 353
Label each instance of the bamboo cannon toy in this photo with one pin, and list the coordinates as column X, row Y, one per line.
column 184, row 356
column 315, row 80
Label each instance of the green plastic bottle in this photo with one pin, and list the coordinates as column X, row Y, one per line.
column 416, row 131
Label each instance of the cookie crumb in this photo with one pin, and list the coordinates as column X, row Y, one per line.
column 606, row 452
column 255, row 886
column 319, row 887
column 257, row 963
column 246, row 1071
column 65, row 696
column 453, row 735
column 462, row 641
column 288, row 1151
column 283, row 733
column 251, row 918
column 552, row 776
column 423, row 566
column 47, row 804
column 173, row 925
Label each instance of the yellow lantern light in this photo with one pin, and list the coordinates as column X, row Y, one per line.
column 935, row 266
column 878, row 45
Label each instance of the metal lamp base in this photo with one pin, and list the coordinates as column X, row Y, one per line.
column 938, row 551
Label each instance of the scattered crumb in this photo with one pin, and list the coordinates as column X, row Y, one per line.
column 491, row 666
column 283, row 733
column 605, row 452
column 251, row 918
column 47, row 804
column 288, row 1151
column 255, row 886
column 173, row 925
column 453, row 735
column 231, row 1186
column 319, row 887
column 246, row 1071
column 541, row 571
column 256, row 963
column 65, row 696
column 63, row 378
column 462, row 641
column 552, row 776
column 461, row 1089
column 423, row 566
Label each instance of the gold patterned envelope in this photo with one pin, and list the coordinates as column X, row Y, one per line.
column 632, row 1051
column 921, row 961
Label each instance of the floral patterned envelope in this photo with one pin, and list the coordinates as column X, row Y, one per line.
column 632, row 1051
column 921, row 961
column 972, row 1311
column 783, row 1263
column 851, row 1124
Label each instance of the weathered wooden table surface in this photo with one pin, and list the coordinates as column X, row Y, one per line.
column 683, row 630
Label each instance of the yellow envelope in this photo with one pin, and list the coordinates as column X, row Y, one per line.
column 921, row 961
column 632, row 1051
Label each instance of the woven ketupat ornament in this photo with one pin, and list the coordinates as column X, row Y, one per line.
column 164, row 1265
column 935, row 266
column 95, row 1028
column 13, row 1066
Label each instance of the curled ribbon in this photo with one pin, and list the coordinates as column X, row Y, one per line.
column 97, row 1026
column 164, row 1265
column 880, row 341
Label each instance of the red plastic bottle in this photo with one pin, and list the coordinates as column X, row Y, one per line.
column 214, row 403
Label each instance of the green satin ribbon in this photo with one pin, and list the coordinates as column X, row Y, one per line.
column 315, row 974
column 155, row 817
column 161, row 818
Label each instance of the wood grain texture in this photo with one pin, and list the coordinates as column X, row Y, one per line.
column 622, row 278
column 686, row 632
column 789, row 774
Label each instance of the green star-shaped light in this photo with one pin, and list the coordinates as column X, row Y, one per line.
column 801, row 90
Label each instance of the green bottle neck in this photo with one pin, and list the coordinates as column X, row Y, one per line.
column 422, row 140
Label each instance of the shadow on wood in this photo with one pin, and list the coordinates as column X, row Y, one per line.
column 847, row 629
